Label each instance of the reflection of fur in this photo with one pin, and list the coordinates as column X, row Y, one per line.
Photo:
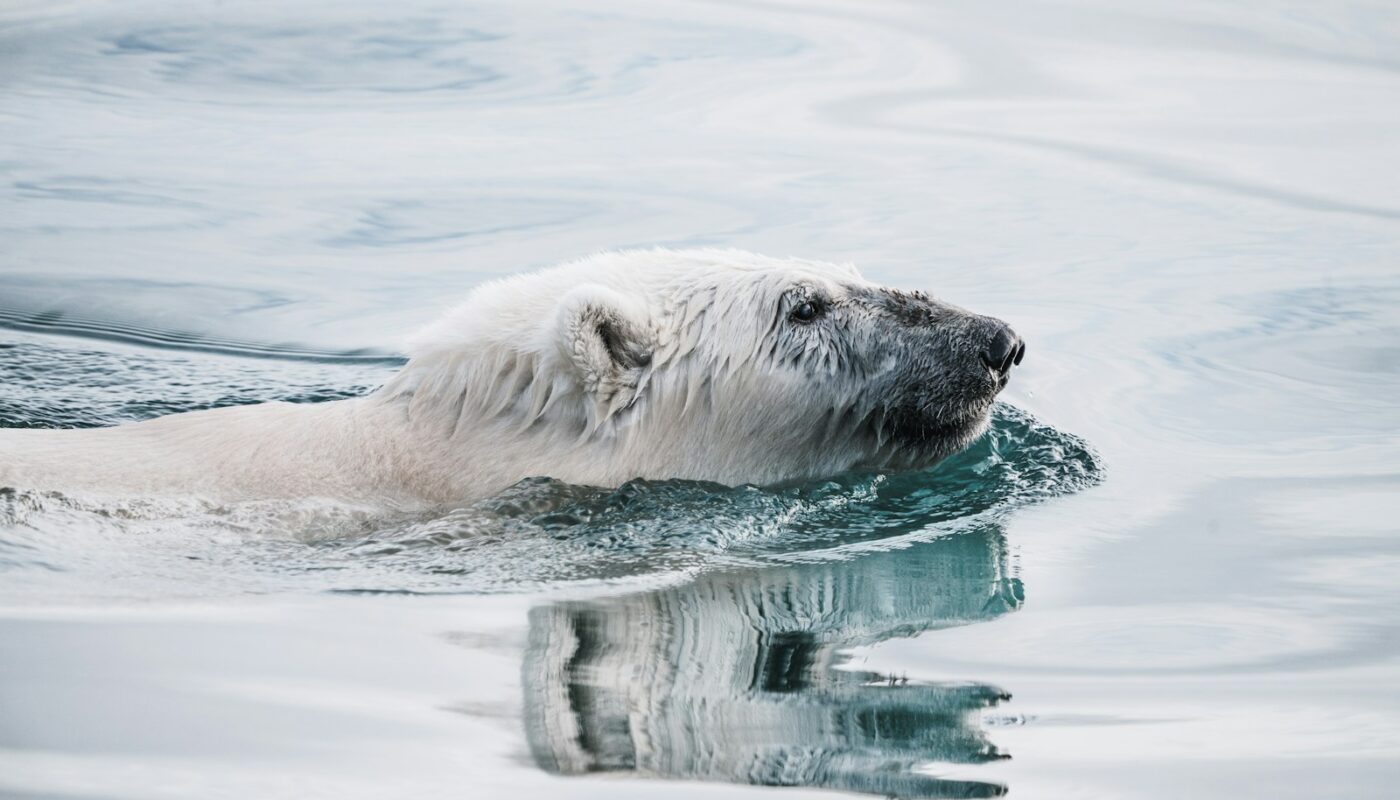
column 732, row 677
column 652, row 364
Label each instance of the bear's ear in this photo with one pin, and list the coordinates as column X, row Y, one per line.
column 608, row 337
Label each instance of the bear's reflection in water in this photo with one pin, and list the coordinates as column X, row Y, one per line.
column 734, row 677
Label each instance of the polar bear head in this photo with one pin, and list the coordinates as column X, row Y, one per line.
column 712, row 365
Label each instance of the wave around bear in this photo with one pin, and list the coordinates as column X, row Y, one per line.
column 537, row 533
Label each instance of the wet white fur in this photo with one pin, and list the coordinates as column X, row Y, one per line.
column 513, row 383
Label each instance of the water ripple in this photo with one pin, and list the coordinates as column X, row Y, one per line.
column 541, row 532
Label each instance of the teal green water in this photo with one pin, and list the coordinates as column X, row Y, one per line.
column 1169, row 570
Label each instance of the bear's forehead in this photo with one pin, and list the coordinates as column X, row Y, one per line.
column 511, row 306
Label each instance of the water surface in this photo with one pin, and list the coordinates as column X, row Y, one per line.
column 1169, row 570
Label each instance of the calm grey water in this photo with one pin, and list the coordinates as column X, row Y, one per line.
column 1171, row 569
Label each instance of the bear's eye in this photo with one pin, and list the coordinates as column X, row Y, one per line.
column 806, row 311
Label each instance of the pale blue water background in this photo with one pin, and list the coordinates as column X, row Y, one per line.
column 1183, row 569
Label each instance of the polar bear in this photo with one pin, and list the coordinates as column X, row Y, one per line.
column 713, row 365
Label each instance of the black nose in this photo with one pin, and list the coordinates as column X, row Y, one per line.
column 1003, row 350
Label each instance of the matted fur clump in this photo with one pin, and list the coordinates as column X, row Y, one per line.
column 714, row 365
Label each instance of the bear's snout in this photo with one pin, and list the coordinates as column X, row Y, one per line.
column 1003, row 348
